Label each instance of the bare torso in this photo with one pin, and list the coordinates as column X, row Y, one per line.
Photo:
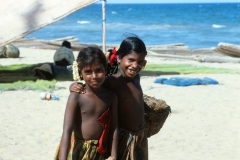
column 130, row 102
column 91, row 107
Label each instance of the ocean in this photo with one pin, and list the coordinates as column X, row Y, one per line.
column 197, row 25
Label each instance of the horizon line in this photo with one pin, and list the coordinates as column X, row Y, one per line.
column 164, row 3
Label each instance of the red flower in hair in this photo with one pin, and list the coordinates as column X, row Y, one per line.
column 113, row 56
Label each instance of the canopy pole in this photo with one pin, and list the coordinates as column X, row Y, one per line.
column 103, row 27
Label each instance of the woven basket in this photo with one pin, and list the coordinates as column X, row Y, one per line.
column 156, row 113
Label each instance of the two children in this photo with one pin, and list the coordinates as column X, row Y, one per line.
column 90, row 118
column 132, row 140
column 83, row 110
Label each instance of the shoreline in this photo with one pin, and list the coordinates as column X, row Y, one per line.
column 226, row 53
column 34, row 56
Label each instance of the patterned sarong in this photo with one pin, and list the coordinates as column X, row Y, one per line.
column 131, row 146
column 81, row 150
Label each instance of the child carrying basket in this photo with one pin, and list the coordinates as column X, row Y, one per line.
column 156, row 113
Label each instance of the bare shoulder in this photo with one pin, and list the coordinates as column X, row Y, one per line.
column 137, row 77
column 110, row 93
column 111, row 82
column 74, row 96
column 111, row 79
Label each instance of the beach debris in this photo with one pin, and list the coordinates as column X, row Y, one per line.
column 48, row 96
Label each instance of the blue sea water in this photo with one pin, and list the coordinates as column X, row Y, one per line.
column 198, row 25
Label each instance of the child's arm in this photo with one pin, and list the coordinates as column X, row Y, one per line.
column 114, row 128
column 70, row 111
column 77, row 87
column 80, row 87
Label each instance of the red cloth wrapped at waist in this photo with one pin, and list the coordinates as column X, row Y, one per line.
column 105, row 121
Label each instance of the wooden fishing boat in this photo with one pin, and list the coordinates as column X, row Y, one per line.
column 232, row 50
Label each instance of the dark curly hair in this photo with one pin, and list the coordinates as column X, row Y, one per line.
column 90, row 55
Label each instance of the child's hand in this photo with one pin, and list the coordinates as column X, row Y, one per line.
column 77, row 87
column 111, row 158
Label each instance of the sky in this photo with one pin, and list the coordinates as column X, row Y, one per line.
column 171, row 1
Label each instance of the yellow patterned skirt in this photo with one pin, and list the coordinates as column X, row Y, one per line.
column 81, row 150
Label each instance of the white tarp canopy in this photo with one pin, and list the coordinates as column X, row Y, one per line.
column 20, row 18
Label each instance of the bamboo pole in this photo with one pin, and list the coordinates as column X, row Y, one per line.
column 103, row 26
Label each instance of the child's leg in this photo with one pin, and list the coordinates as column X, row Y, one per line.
column 140, row 147
column 132, row 147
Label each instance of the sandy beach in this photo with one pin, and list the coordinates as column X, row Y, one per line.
column 204, row 123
